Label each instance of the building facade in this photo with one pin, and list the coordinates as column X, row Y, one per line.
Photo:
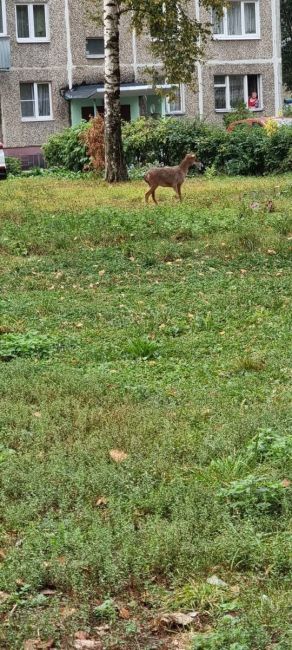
column 52, row 67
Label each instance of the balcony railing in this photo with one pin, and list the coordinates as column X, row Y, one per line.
column 4, row 53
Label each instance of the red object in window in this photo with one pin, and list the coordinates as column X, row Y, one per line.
column 253, row 102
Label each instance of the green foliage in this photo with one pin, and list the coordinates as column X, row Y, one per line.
column 105, row 270
column 240, row 112
column 268, row 444
column 31, row 344
column 232, row 634
column 286, row 25
column 107, row 611
column 66, row 149
column 255, row 493
column 142, row 348
column 13, row 166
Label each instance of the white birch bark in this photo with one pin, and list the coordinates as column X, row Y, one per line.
column 115, row 166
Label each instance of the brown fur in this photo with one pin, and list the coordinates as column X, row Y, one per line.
column 169, row 176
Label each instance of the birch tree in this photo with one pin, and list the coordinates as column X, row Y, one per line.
column 178, row 42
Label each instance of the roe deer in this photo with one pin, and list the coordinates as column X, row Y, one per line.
column 170, row 176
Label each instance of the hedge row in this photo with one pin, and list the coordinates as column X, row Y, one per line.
column 244, row 151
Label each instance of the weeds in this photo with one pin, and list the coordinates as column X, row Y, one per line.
column 179, row 336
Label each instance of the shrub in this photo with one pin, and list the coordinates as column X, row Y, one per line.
column 240, row 112
column 66, row 149
column 244, row 152
column 13, row 166
column 30, row 344
column 93, row 138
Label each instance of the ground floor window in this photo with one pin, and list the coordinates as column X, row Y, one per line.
column 36, row 101
column 176, row 104
column 95, row 48
column 233, row 89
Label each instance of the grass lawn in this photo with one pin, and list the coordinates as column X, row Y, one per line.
column 144, row 415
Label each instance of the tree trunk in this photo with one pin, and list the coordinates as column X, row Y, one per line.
column 115, row 166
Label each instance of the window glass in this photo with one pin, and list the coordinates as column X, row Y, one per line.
column 220, row 98
column 27, row 100
column 236, row 86
column 44, row 109
column 1, row 18
column 219, row 79
column 39, row 20
column 174, row 106
column 234, row 19
column 250, row 17
column 22, row 21
column 95, row 47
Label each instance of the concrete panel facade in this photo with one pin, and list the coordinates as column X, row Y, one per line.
column 62, row 62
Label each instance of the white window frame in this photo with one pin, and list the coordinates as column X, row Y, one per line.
column 31, row 38
column 243, row 36
column 182, row 110
column 226, row 85
column 37, row 117
column 94, row 56
column 4, row 33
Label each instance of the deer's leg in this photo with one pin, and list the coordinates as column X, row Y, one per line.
column 179, row 191
column 148, row 194
column 153, row 195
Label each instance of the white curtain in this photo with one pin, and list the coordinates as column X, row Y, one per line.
column 22, row 21
column 44, row 100
column 236, row 88
column 39, row 20
column 27, row 100
column 218, row 24
column 175, row 104
column 250, row 17
column 234, row 19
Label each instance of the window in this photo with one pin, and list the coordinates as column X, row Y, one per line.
column 240, row 20
column 2, row 18
column 36, row 101
column 176, row 105
column 32, row 23
column 230, row 90
column 95, row 48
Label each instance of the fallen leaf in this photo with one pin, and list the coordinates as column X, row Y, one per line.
column 79, row 325
column 81, row 635
column 271, row 251
column 37, row 414
column 235, row 589
column 87, row 644
column 101, row 502
column 286, row 483
column 48, row 592
column 101, row 273
column 37, row 644
column 124, row 613
column 118, row 455
column 217, row 582
column 3, row 596
column 177, row 619
column 2, row 554
column 66, row 612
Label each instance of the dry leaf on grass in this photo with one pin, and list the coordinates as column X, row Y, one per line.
column 217, row 582
column 118, row 455
column 286, row 483
column 37, row 644
column 101, row 502
column 37, row 414
column 124, row 613
column 87, row 644
column 177, row 619
column 2, row 554
column 3, row 596
column 66, row 612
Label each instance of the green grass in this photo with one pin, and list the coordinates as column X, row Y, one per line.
column 164, row 333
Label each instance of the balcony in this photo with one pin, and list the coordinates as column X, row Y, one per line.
column 4, row 53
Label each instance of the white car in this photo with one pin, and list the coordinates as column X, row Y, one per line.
column 3, row 172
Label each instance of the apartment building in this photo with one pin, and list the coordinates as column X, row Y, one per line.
column 52, row 68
